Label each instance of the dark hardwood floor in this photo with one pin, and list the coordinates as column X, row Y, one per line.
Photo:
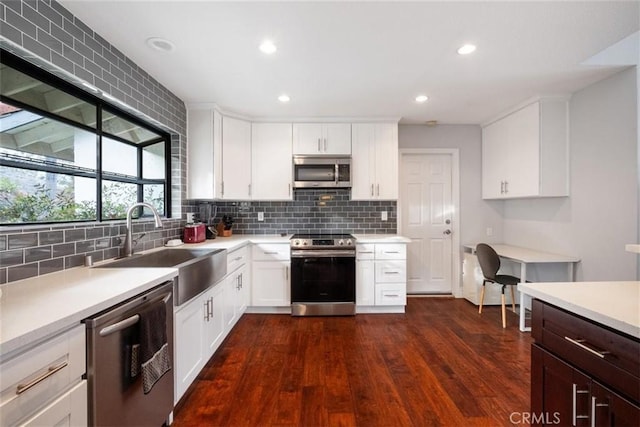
column 439, row 364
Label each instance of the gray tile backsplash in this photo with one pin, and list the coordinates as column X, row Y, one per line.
column 39, row 253
column 311, row 211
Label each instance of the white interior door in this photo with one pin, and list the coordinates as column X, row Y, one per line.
column 427, row 214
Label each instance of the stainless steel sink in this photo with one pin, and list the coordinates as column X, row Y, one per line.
column 197, row 268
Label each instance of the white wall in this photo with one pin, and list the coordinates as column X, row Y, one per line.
column 475, row 214
column 601, row 214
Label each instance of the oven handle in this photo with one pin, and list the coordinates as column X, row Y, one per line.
column 323, row 254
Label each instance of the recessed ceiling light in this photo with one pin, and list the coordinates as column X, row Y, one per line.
column 466, row 49
column 284, row 98
column 268, row 47
column 422, row 98
column 158, row 43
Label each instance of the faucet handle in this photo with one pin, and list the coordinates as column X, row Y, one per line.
column 135, row 241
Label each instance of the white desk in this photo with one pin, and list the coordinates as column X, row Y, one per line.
column 524, row 257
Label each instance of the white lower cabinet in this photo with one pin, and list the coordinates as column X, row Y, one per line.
column 381, row 275
column 70, row 409
column 204, row 322
column 37, row 384
column 271, row 275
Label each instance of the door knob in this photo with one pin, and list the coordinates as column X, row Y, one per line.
column 447, row 232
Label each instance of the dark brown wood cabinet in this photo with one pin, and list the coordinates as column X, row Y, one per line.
column 582, row 373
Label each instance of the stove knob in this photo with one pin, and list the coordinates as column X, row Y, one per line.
column 341, row 243
column 304, row 243
column 296, row 243
column 349, row 242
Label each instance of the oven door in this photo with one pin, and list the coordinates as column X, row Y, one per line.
column 323, row 276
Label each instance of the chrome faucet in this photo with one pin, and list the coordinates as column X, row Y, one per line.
column 127, row 249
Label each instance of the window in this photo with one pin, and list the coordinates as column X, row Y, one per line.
column 68, row 156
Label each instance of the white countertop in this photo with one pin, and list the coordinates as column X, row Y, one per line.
column 613, row 304
column 32, row 309
column 380, row 238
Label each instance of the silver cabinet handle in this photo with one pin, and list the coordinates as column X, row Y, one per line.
column 319, row 146
column 580, row 343
column 371, row 189
column 222, row 188
column 391, row 272
column 249, row 189
column 270, row 253
column 123, row 324
column 211, row 307
column 378, row 190
column 506, row 187
column 501, row 187
column 594, row 406
column 289, row 189
column 392, row 295
column 391, row 252
column 286, row 273
column 325, row 144
column 21, row 388
column 365, row 252
column 574, row 415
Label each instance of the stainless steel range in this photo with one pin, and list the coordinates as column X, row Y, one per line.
column 323, row 275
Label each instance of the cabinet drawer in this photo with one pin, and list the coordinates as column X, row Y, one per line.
column 70, row 409
column 32, row 379
column 237, row 258
column 365, row 250
column 391, row 294
column 605, row 354
column 391, row 251
column 271, row 252
column 391, row 271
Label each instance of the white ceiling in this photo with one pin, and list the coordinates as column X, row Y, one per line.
column 366, row 59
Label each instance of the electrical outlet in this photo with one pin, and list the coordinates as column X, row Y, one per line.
column 384, row 216
column 260, row 216
column 489, row 231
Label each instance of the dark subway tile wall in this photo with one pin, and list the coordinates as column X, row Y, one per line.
column 311, row 211
column 43, row 252
column 44, row 33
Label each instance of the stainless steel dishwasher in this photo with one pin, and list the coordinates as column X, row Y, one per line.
column 116, row 392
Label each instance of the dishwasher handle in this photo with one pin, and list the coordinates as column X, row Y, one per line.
column 129, row 321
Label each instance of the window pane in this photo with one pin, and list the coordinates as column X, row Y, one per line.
column 38, row 196
column 26, row 89
column 116, row 199
column 154, row 195
column 29, row 137
column 153, row 161
column 118, row 157
column 117, row 126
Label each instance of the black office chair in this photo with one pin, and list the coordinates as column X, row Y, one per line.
column 490, row 264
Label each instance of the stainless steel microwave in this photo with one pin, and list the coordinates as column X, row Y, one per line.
column 321, row 172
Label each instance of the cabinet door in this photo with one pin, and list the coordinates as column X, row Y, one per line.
column 230, row 296
column 386, row 153
column 363, row 162
column 610, row 409
column 236, row 159
column 522, row 165
column 271, row 161
column 494, row 158
column 204, row 154
column 558, row 391
column 365, row 282
column 189, row 346
column 243, row 287
column 307, row 138
column 270, row 285
column 70, row 409
column 336, row 138
column 214, row 320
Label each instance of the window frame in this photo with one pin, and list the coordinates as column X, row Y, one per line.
column 99, row 175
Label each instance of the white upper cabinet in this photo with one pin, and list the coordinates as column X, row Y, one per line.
column 236, row 159
column 322, row 139
column 271, row 165
column 525, row 154
column 374, row 161
column 204, row 154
